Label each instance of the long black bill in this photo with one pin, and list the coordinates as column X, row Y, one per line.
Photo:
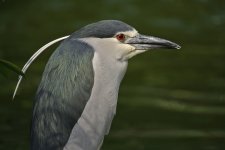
column 143, row 42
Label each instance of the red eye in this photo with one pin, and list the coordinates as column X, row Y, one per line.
column 120, row 37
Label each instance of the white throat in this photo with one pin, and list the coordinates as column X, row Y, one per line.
column 100, row 109
column 109, row 70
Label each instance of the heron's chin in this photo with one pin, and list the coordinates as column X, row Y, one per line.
column 132, row 54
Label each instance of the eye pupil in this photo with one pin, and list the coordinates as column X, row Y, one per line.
column 120, row 37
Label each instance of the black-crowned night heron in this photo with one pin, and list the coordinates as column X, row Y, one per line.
column 77, row 97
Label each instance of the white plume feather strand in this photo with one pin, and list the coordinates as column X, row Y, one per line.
column 33, row 57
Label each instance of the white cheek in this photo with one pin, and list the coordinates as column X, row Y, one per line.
column 111, row 48
column 123, row 51
column 136, row 52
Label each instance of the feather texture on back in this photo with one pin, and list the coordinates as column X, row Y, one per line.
column 62, row 94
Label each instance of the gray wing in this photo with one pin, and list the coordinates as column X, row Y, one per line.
column 62, row 95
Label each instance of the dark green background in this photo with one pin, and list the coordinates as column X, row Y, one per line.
column 168, row 100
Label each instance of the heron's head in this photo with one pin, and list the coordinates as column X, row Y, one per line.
column 111, row 39
column 116, row 39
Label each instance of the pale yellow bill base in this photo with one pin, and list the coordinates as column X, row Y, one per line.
column 32, row 58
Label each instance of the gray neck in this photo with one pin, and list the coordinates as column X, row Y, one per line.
column 97, row 116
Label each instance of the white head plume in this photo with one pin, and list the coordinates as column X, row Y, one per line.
column 33, row 57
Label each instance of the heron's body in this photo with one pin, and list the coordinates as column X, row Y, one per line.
column 77, row 97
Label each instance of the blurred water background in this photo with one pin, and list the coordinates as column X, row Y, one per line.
column 169, row 100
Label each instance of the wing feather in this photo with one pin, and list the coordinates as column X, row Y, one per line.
column 64, row 90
